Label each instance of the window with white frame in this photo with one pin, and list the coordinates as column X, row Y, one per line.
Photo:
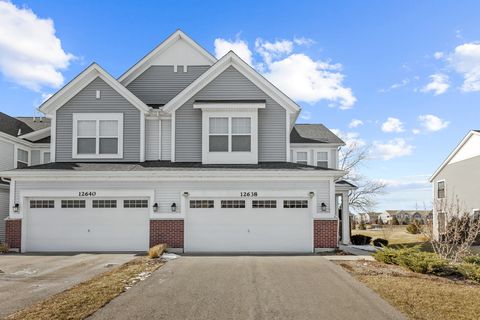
column 98, row 135
column 302, row 157
column 230, row 134
column 46, row 157
column 441, row 189
column 322, row 159
column 22, row 158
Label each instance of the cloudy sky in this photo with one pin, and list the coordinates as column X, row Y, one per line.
column 401, row 77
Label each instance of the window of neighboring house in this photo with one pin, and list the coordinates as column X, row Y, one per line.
column 22, row 158
column 230, row 134
column 98, row 135
column 322, row 159
column 441, row 189
column 302, row 157
column 46, row 157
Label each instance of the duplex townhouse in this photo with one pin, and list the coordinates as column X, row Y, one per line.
column 184, row 149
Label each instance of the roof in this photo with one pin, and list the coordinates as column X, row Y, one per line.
column 346, row 183
column 313, row 133
column 36, row 123
column 11, row 125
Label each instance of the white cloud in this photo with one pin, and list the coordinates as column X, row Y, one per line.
column 432, row 123
column 306, row 115
column 240, row 47
column 350, row 138
column 392, row 125
column 416, row 131
column 355, row 123
column 466, row 61
column 30, row 53
column 302, row 41
column 397, row 85
column 438, row 55
column 392, row 149
column 438, row 84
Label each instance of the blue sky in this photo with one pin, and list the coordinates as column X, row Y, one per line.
column 416, row 62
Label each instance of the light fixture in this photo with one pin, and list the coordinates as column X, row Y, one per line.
column 174, row 207
column 186, row 194
column 155, row 207
column 311, row 194
column 323, row 206
column 16, row 207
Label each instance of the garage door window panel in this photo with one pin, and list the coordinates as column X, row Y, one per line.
column 232, row 204
column 42, row 204
column 104, row 204
column 295, row 204
column 73, row 204
column 264, row 204
column 201, row 204
column 133, row 204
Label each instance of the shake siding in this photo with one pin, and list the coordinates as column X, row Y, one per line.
column 231, row 85
column 152, row 143
column 6, row 156
column 110, row 102
column 159, row 84
column 166, row 139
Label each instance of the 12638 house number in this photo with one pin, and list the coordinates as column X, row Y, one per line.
column 249, row 194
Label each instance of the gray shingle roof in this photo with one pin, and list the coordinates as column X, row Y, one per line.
column 36, row 123
column 11, row 125
column 313, row 133
column 345, row 182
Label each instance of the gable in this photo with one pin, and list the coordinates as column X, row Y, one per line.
column 469, row 150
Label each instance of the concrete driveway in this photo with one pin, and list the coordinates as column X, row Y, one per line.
column 26, row 278
column 249, row 287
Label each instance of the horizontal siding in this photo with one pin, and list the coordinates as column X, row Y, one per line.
column 159, row 84
column 166, row 139
column 6, row 155
column 85, row 102
column 152, row 139
column 231, row 85
column 4, row 207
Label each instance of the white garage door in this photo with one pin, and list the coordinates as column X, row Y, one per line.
column 106, row 224
column 248, row 225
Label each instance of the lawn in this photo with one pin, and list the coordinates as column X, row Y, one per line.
column 394, row 235
column 416, row 295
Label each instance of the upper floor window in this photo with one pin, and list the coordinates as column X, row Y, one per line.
column 22, row 158
column 302, row 157
column 230, row 134
column 97, row 135
column 322, row 159
column 441, row 189
column 46, row 157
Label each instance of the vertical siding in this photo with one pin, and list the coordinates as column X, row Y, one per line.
column 35, row 157
column 152, row 137
column 159, row 84
column 4, row 206
column 6, row 156
column 166, row 139
column 110, row 102
column 231, row 85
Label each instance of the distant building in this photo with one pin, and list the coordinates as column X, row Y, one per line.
column 406, row 216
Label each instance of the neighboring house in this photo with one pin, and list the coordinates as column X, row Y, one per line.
column 458, row 178
column 406, row 216
column 24, row 141
column 184, row 149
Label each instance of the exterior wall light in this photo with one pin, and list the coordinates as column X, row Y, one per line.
column 323, row 207
column 311, row 194
column 174, row 207
column 16, row 208
column 155, row 207
column 186, row 194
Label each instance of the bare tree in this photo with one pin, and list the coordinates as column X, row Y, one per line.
column 363, row 199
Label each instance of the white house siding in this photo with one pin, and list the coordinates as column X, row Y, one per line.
column 35, row 157
column 4, row 202
column 166, row 139
column 6, row 155
column 152, row 139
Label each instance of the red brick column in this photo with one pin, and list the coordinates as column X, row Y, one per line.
column 325, row 233
column 13, row 233
column 166, row 231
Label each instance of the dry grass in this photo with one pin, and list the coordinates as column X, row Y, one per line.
column 156, row 251
column 419, row 296
column 87, row 297
column 398, row 235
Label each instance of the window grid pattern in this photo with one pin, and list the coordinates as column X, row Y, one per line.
column 42, row 204
column 96, row 204
column 441, row 189
column 295, row 204
column 302, row 157
column 230, row 204
column 322, row 159
column 230, row 134
column 73, row 204
column 264, row 204
column 201, row 204
column 135, row 204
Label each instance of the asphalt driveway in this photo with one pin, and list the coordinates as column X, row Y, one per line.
column 27, row 278
column 249, row 287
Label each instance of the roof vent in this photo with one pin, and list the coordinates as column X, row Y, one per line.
column 19, row 132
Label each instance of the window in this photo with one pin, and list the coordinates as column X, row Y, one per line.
column 260, row 204
column 42, row 204
column 135, row 204
column 302, row 157
column 230, row 134
column 232, row 204
column 73, row 203
column 22, row 158
column 290, row 204
column 97, row 135
column 46, row 157
column 198, row 204
column 441, row 189
column 104, row 204
column 322, row 159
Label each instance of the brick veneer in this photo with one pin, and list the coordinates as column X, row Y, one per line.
column 13, row 233
column 166, row 231
column 325, row 233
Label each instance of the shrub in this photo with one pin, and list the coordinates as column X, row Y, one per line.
column 470, row 271
column 413, row 228
column 379, row 242
column 156, row 251
column 360, row 239
column 472, row 259
column 395, row 221
column 361, row 226
column 4, row 248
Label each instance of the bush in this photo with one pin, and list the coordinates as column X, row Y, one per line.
column 472, row 259
column 361, row 226
column 470, row 271
column 395, row 221
column 360, row 239
column 4, row 248
column 379, row 242
column 156, row 251
column 413, row 228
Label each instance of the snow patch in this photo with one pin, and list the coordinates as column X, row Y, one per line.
column 170, row 256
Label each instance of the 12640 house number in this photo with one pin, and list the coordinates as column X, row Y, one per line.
column 87, row 193
column 249, row 194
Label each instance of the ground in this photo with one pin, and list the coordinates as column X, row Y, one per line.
column 249, row 287
column 394, row 234
column 26, row 279
column 419, row 296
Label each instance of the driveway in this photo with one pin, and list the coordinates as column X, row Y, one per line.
column 249, row 287
column 26, row 278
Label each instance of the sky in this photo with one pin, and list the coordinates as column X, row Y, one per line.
column 401, row 78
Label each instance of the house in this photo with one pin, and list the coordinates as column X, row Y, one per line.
column 406, row 216
column 24, row 141
column 458, row 177
column 184, row 149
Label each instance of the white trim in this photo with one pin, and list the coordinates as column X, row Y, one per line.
column 12, row 200
column 39, row 134
column 287, row 135
column 42, row 156
column 27, row 144
column 15, row 156
column 333, row 204
column 132, row 73
column 295, row 156
column 172, row 146
column 315, row 157
column 142, row 137
column 231, row 59
column 53, row 137
column 435, row 189
column 226, row 106
column 455, row 151
column 315, row 145
column 81, row 81
column 159, row 139
column 97, row 117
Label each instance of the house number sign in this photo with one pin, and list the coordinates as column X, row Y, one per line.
column 87, row 193
column 249, row 194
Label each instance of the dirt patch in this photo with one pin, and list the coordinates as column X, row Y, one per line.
column 87, row 297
